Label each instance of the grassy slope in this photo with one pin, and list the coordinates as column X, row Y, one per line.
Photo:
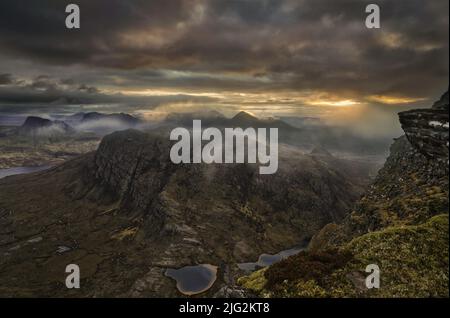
column 401, row 224
column 413, row 261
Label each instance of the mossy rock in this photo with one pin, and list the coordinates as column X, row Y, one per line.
column 255, row 282
column 413, row 262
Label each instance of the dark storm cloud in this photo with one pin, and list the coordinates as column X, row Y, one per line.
column 47, row 94
column 6, row 79
column 37, row 30
column 45, row 89
column 239, row 45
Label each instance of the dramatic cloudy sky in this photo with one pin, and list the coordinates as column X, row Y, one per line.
column 271, row 57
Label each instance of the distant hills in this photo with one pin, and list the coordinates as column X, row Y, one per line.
column 99, row 123
column 102, row 123
column 123, row 118
column 244, row 119
column 304, row 132
column 38, row 126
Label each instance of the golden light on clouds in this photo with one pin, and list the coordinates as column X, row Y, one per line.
column 169, row 92
column 392, row 40
column 275, row 100
column 392, row 100
column 338, row 103
column 265, row 103
column 142, row 39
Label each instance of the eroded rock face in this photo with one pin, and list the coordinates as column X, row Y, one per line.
column 122, row 161
column 136, row 167
column 427, row 129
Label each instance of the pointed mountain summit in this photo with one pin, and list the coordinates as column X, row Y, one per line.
column 244, row 116
column 244, row 119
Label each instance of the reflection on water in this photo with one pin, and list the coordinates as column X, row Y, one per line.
column 193, row 280
column 268, row 259
column 21, row 170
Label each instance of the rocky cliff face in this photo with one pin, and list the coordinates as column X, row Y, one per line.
column 136, row 169
column 413, row 184
column 427, row 129
column 400, row 224
column 122, row 159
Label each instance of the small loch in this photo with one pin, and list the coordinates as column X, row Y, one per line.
column 192, row 280
column 21, row 170
column 265, row 260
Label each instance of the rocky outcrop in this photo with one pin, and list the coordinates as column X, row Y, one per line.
column 123, row 158
column 427, row 129
column 135, row 167
column 442, row 103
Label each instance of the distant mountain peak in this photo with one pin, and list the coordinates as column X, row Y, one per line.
column 243, row 115
column 121, row 117
column 35, row 124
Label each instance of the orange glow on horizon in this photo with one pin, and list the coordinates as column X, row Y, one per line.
column 391, row 100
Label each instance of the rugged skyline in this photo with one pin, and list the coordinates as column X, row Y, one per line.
column 267, row 57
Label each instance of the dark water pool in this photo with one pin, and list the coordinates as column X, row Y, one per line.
column 269, row 259
column 21, row 170
column 195, row 279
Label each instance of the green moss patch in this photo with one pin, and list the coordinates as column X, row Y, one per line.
column 413, row 262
